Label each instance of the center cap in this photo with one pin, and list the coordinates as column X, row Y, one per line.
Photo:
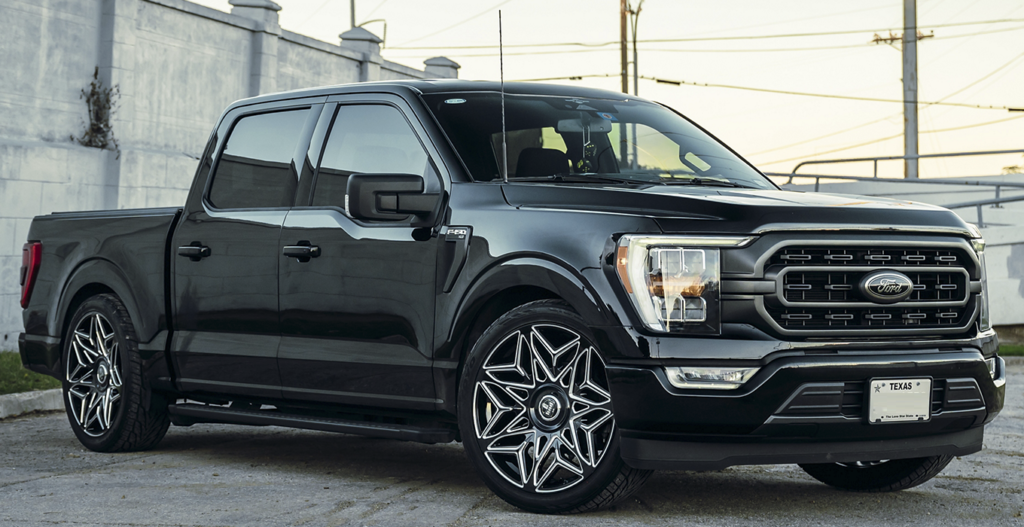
column 549, row 407
column 886, row 287
column 102, row 372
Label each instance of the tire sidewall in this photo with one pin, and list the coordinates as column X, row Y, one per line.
column 105, row 306
column 562, row 501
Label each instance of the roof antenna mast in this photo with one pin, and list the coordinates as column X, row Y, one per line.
column 501, row 63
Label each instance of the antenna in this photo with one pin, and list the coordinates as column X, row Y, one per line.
column 504, row 145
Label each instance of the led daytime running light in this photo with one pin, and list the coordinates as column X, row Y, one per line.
column 709, row 378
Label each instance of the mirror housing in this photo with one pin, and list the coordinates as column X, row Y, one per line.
column 389, row 197
column 579, row 125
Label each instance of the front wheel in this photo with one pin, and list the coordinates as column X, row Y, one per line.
column 878, row 476
column 536, row 414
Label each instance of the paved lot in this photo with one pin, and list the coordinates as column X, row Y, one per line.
column 228, row 475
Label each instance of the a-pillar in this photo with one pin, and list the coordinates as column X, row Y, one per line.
column 263, row 60
column 361, row 40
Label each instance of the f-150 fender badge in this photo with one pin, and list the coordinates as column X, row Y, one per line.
column 886, row 287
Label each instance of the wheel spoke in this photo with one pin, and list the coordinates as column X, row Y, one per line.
column 529, row 365
column 93, row 397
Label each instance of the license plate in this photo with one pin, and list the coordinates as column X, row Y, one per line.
column 899, row 400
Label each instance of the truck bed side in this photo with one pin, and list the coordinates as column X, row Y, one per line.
column 124, row 252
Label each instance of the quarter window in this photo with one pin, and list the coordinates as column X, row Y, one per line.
column 256, row 168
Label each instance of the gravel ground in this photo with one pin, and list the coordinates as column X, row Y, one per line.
column 232, row 475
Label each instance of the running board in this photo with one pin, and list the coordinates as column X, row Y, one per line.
column 189, row 413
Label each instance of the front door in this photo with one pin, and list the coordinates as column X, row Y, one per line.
column 357, row 298
column 226, row 252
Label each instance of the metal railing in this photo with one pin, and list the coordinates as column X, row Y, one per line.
column 981, row 203
column 978, row 204
column 998, row 185
column 875, row 160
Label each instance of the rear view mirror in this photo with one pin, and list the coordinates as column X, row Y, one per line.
column 578, row 125
column 389, row 197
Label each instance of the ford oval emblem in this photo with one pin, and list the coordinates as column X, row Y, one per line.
column 886, row 287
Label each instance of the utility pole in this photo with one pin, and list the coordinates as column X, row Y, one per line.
column 623, row 13
column 909, row 89
column 352, row 12
column 636, row 58
column 623, row 139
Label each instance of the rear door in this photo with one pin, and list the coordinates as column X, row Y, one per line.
column 357, row 315
column 227, row 250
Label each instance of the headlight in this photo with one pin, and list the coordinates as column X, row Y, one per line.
column 984, row 324
column 674, row 281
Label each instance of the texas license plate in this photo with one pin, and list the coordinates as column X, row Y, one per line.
column 899, row 400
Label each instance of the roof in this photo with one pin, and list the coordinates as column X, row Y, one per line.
column 443, row 86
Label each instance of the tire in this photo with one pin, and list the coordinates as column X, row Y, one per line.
column 535, row 381
column 104, row 392
column 878, row 476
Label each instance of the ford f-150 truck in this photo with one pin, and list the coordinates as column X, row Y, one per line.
column 581, row 286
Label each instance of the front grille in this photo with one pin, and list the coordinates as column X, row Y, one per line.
column 817, row 289
column 877, row 257
column 870, row 318
column 841, row 286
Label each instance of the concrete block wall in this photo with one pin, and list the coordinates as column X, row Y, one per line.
column 178, row 65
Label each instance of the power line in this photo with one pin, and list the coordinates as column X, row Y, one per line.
column 374, row 10
column 824, row 95
column 975, row 125
column 864, row 45
column 826, row 136
column 696, row 39
column 313, row 14
column 993, row 72
column 480, row 14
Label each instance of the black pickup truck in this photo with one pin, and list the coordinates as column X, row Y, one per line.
column 579, row 285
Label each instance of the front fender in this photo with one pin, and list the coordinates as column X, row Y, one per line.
column 554, row 277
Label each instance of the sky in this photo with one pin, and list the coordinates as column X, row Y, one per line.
column 975, row 58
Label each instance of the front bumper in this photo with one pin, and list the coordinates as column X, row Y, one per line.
column 802, row 409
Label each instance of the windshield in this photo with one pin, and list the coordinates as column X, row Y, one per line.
column 551, row 138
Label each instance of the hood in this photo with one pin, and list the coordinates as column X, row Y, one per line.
column 679, row 209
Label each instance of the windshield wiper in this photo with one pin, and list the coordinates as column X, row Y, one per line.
column 573, row 178
column 705, row 182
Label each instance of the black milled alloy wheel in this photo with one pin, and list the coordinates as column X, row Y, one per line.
column 878, row 476
column 535, row 414
column 103, row 388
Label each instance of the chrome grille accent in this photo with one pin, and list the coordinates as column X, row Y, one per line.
column 869, row 256
column 841, row 286
column 817, row 289
column 869, row 318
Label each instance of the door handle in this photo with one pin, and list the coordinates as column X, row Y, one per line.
column 195, row 252
column 302, row 251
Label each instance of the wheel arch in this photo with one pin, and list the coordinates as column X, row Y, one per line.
column 95, row 277
column 506, row 286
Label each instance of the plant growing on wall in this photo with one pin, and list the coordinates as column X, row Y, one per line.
column 102, row 103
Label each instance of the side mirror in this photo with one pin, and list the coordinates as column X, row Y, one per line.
column 388, row 197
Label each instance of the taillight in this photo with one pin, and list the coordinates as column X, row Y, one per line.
column 31, row 254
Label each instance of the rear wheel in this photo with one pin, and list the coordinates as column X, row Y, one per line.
column 536, row 414
column 103, row 385
column 878, row 476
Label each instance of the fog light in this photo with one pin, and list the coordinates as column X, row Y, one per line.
column 709, row 378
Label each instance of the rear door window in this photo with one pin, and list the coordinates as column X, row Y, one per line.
column 256, row 168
